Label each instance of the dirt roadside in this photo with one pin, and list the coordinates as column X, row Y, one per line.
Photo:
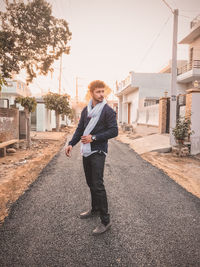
column 18, row 170
column 185, row 170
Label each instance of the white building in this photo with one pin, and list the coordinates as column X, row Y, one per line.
column 189, row 75
column 13, row 89
column 141, row 90
column 137, row 91
column 44, row 119
column 190, row 71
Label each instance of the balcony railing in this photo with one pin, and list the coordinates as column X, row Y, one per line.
column 195, row 22
column 195, row 64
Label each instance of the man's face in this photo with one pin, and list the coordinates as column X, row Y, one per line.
column 98, row 94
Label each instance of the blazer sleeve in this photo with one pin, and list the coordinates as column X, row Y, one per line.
column 79, row 131
column 111, row 129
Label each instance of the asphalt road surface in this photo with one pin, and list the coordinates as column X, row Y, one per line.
column 155, row 222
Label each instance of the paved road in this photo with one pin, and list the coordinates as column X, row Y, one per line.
column 155, row 221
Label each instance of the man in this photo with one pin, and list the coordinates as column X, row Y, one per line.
column 96, row 125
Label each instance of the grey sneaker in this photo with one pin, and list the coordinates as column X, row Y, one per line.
column 101, row 229
column 88, row 214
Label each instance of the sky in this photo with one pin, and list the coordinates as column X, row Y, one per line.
column 110, row 38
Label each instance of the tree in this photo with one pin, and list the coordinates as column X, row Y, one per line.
column 59, row 103
column 2, row 82
column 31, row 38
column 107, row 92
column 72, row 114
column 29, row 104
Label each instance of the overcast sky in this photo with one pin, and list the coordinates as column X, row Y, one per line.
column 112, row 37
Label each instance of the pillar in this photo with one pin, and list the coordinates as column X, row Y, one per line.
column 163, row 115
column 193, row 111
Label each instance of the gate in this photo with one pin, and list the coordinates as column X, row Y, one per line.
column 180, row 109
column 168, row 115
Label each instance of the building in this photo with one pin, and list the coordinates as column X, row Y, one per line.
column 112, row 101
column 138, row 91
column 190, row 71
column 188, row 83
column 168, row 68
column 13, row 89
column 189, row 76
column 43, row 119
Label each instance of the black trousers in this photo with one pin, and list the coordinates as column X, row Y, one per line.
column 94, row 168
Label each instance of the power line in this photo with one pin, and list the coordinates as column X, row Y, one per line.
column 168, row 6
column 192, row 11
column 186, row 17
column 156, row 38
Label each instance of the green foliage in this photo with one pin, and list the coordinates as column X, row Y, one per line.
column 29, row 103
column 72, row 114
column 57, row 102
column 2, row 82
column 31, row 38
column 182, row 129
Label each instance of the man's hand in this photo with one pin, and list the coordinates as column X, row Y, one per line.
column 86, row 139
column 68, row 150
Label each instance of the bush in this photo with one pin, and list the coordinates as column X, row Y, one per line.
column 182, row 129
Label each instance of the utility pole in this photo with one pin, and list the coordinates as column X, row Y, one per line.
column 173, row 74
column 173, row 100
column 60, row 75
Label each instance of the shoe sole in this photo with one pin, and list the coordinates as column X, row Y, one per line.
column 103, row 231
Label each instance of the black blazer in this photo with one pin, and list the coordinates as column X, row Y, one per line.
column 105, row 129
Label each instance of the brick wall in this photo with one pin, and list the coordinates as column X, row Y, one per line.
column 162, row 115
column 9, row 124
column 188, row 108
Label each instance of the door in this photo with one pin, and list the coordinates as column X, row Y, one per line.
column 129, row 113
column 168, row 116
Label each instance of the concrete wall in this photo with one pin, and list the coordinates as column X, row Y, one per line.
column 124, row 113
column 151, row 84
column 195, row 126
column 40, row 117
column 155, row 84
column 133, row 98
column 53, row 119
column 11, row 101
column 140, row 86
column 46, row 119
column 9, row 124
column 149, row 115
column 48, row 125
column 196, row 48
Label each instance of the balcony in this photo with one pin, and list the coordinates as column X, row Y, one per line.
column 189, row 72
column 195, row 23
